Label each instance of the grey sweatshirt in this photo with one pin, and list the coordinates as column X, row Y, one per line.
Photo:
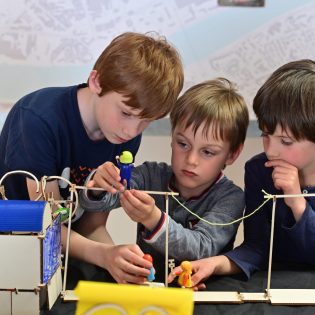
column 189, row 237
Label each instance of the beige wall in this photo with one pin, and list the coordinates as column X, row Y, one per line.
column 157, row 148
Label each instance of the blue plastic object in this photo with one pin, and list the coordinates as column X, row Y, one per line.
column 21, row 215
column 125, row 165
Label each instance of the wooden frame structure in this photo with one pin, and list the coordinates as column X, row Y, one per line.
column 273, row 296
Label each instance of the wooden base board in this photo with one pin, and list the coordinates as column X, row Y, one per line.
column 276, row 297
column 230, row 297
column 292, row 296
column 155, row 284
column 253, row 297
column 69, row 296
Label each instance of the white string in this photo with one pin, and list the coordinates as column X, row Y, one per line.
column 223, row 224
column 267, row 196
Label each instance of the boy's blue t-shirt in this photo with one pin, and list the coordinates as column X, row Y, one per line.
column 44, row 134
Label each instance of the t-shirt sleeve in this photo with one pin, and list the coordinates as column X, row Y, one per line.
column 31, row 145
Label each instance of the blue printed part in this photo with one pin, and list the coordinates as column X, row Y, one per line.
column 21, row 215
column 52, row 250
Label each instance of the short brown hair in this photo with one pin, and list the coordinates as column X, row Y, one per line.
column 287, row 98
column 146, row 69
column 219, row 105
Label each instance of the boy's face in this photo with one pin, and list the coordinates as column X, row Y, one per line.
column 118, row 122
column 282, row 145
column 197, row 160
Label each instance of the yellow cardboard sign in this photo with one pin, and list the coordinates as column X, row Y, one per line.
column 98, row 298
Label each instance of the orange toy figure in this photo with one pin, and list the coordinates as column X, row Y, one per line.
column 151, row 276
column 184, row 277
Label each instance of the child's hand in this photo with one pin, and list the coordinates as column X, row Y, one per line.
column 107, row 177
column 175, row 272
column 286, row 178
column 141, row 208
column 126, row 263
column 202, row 269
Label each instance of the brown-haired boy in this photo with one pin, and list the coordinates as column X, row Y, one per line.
column 69, row 131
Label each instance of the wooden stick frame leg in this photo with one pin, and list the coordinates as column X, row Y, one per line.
column 166, row 239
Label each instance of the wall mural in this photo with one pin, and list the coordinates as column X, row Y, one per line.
column 53, row 42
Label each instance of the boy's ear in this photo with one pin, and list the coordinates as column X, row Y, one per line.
column 94, row 83
column 235, row 155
